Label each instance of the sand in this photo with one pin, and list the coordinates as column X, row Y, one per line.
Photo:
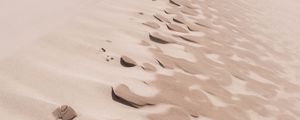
column 149, row 60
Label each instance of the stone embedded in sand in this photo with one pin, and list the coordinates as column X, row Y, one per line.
column 161, row 18
column 103, row 50
column 189, row 11
column 152, row 25
column 65, row 112
column 156, row 37
column 127, row 62
column 176, row 28
column 148, row 67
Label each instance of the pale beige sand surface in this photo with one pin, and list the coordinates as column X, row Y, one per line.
column 150, row 60
column 25, row 21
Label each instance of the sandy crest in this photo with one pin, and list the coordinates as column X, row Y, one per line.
column 181, row 60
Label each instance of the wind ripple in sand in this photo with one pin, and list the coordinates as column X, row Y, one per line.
column 176, row 28
column 212, row 98
column 161, row 18
column 152, row 25
column 213, row 65
column 127, row 62
column 158, row 38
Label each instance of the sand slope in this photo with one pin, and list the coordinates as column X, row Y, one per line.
column 151, row 60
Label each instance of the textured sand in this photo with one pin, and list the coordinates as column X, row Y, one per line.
column 150, row 60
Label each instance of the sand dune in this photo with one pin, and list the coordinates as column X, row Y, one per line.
column 150, row 60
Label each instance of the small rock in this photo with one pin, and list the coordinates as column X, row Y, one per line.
column 141, row 13
column 103, row 50
column 65, row 112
